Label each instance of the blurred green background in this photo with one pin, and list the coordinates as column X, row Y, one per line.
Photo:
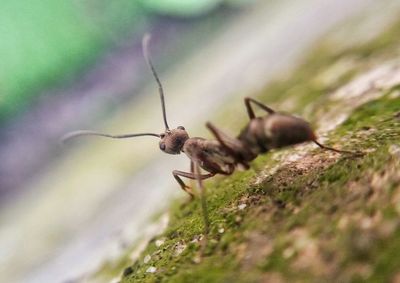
column 45, row 43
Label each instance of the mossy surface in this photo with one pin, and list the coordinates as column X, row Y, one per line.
column 319, row 217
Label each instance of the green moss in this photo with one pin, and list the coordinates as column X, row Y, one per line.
column 322, row 195
column 373, row 115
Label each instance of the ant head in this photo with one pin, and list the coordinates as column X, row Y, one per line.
column 172, row 141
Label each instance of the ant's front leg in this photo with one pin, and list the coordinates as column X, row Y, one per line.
column 177, row 174
column 250, row 110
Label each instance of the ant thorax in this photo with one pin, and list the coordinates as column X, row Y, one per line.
column 210, row 155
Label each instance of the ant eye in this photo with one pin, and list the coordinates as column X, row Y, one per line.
column 181, row 128
column 162, row 135
column 162, row 146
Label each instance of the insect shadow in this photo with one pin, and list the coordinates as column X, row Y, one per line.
column 223, row 154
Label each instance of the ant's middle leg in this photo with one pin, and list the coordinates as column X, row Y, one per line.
column 204, row 209
column 250, row 111
column 231, row 145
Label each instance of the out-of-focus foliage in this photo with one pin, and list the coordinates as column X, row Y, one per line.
column 44, row 41
column 181, row 7
column 187, row 8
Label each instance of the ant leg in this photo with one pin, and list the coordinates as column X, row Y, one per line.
column 231, row 145
column 192, row 176
column 183, row 186
column 250, row 110
column 192, row 183
column 203, row 206
column 338, row 150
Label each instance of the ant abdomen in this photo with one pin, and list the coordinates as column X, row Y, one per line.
column 275, row 131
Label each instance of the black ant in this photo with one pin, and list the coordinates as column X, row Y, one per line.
column 225, row 153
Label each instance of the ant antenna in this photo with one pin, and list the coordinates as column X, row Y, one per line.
column 145, row 43
column 93, row 133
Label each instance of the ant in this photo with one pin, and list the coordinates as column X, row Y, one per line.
column 223, row 154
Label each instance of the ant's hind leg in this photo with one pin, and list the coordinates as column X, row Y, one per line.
column 355, row 153
column 250, row 111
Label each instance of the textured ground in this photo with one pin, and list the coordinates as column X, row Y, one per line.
column 302, row 214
